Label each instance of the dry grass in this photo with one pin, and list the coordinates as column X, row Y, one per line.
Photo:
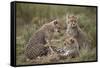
column 29, row 20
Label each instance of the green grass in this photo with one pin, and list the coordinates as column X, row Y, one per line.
column 31, row 17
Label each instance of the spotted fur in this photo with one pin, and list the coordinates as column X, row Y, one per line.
column 74, row 30
column 35, row 47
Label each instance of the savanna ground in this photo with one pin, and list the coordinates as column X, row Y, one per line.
column 30, row 17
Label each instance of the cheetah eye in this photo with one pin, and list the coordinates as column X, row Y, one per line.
column 75, row 21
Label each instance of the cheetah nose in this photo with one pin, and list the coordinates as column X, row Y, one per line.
column 58, row 31
column 74, row 24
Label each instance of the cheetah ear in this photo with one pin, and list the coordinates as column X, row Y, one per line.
column 55, row 22
column 72, row 40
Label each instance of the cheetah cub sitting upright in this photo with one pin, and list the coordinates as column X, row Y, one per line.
column 74, row 30
column 36, row 45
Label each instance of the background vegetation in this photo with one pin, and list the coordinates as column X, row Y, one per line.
column 30, row 17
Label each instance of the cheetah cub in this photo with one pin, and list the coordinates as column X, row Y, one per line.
column 71, row 48
column 36, row 45
column 74, row 30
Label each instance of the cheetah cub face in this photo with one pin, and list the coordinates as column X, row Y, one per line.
column 57, row 26
column 71, row 43
column 72, row 21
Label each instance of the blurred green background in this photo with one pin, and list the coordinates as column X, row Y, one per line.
column 30, row 17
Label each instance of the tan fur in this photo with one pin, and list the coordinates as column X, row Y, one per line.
column 36, row 45
column 71, row 47
column 74, row 30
